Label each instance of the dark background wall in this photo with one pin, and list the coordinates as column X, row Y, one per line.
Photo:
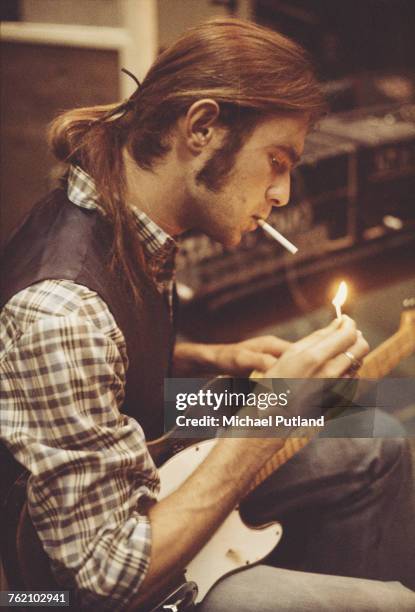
column 347, row 36
column 38, row 82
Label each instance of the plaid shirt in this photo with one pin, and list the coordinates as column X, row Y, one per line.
column 159, row 248
column 63, row 367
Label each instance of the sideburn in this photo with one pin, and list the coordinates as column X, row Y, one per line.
column 216, row 170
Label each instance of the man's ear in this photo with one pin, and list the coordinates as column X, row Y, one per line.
column 199, row 124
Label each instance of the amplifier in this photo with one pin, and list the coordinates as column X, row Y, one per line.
column 385, row 140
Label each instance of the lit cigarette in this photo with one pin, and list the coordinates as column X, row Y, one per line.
column 277, row 236
column 340, row 298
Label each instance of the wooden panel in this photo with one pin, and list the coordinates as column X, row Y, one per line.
column 96, row 13
column 38, row 81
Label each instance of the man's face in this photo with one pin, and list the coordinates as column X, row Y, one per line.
column 259, row 180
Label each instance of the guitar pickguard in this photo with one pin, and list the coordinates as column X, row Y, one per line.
column 234, row 545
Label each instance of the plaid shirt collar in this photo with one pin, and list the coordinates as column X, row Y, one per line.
column 160, row 248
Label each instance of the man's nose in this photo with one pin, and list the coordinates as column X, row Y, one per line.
column 279, row 193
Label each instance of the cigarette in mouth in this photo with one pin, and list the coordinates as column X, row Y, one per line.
column 277, row 236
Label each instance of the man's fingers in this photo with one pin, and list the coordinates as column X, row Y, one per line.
column 309, row 355
column 267, row 344
column 340, row 364
column 319, row 335
column 322, row 353
column 334, row 343
column 325, row 343
column 247, row 361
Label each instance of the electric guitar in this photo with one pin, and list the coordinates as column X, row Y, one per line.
column 235, row 545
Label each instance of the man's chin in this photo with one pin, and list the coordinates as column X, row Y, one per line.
column 232, row 241
column 226, row 238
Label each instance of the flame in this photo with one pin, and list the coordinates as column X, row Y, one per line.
column 341, row 295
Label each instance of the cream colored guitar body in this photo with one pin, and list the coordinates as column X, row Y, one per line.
column 233, row 545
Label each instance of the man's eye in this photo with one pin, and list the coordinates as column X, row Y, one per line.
column 276, row 162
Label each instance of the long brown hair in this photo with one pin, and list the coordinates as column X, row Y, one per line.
column 249, row 70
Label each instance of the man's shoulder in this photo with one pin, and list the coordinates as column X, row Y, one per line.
column 51, row 297
column 54, row 300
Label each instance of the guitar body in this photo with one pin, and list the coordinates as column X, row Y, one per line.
column 234, row 544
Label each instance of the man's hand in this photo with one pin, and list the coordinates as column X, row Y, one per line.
column 184, row 520
column 322, row 354
column 241, row 358
column 235, row 359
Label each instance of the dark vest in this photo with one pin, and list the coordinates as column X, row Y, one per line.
column 59, row 240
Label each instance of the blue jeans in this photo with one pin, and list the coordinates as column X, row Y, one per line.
column 348, row 511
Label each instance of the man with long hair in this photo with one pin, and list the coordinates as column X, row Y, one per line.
column 207, row 141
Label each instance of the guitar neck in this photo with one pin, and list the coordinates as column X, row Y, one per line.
column 377, row 364
column 388, row 355
column 291, row 447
